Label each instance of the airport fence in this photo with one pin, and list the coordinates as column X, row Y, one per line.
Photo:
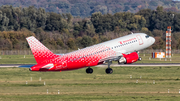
column 28, row 52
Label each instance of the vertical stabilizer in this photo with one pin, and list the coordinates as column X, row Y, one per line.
column 39, row 51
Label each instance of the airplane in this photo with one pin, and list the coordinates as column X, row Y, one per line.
column 123, row 49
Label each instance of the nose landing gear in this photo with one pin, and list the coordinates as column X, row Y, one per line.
column 140, row 59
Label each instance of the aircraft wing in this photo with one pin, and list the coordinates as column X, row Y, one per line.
column 115, row 57
column 109, row 58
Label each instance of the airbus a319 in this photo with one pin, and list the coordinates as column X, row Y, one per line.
column 124, row 50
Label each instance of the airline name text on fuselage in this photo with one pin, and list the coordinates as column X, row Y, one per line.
column 121, row 42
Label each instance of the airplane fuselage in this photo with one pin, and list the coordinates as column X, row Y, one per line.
column 96, row 54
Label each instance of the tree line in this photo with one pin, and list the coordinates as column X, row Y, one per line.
column 63, row 31
column 85, row 8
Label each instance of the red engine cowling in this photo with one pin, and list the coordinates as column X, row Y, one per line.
column 129, row 58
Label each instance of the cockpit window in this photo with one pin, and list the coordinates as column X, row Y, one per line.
column 147, row 36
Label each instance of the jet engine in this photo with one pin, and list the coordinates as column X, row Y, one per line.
column 129, row 58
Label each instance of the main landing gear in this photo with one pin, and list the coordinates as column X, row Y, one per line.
column 109, row 70
column 89, row 70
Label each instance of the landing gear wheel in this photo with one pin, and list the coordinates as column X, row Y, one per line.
column 140, row 59
column 109, row 71
column 89, row 70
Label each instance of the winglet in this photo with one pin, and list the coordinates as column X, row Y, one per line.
column 39, row 51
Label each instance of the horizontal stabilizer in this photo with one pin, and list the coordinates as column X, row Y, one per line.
column 26, row 66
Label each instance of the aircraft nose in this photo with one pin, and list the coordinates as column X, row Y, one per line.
column 152, row 40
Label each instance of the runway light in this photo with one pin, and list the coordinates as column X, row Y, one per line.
column 26, row 82
column 40, row 79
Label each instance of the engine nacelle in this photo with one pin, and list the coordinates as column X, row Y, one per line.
column 129, row 58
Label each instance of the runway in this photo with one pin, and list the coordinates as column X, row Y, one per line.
column 141, row 64
column 103, row 65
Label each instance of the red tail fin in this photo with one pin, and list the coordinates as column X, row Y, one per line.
column 39, row 51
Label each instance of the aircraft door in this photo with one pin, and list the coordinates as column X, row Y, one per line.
column 139, row 39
